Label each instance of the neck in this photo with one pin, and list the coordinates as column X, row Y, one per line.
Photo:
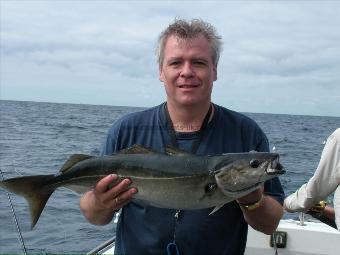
column 188, row 118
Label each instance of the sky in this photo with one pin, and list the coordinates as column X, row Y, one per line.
column 278, row 56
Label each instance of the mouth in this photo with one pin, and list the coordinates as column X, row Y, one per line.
column 187, row 86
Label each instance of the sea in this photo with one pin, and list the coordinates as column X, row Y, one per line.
column 37, row 138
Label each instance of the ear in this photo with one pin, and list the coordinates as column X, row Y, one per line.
column 161, row 74
column 215, row 72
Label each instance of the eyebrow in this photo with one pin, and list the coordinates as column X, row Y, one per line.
column 201, row 59
column 193, row 59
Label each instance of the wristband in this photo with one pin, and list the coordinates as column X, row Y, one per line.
column 318, row 208
column 251, row 206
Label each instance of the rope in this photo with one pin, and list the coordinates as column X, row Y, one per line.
column 172, row 248
column 21, row 240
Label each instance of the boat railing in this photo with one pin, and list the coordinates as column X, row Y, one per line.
column 103, row 247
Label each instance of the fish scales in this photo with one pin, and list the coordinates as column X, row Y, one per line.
column 176, row 180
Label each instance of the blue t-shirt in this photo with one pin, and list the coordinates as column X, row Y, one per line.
column 145, row 229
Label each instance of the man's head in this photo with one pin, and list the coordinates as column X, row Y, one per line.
column 187, row 30
column 188, row 56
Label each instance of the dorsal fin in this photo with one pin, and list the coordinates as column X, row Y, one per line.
column 170, row 150
column 72, row 160
column 137, row 149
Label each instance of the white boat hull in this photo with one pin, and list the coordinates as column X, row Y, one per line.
column 312, row 238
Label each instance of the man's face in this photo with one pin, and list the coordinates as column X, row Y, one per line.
column 188, row 71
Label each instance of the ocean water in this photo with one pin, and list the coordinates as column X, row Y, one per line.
column 37, row 138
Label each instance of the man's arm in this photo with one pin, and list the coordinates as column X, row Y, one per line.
column 100, row 204
column 265, row 215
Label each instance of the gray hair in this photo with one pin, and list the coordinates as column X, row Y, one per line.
column 188, row 30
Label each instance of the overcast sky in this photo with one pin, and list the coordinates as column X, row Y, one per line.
column 279, row 56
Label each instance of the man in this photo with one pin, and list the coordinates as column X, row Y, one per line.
column 188, row 54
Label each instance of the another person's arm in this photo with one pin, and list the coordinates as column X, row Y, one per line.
column 329, row 212
column 323, row 213
column 323, row 183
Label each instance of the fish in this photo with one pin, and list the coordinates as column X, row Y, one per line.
column 174, row 180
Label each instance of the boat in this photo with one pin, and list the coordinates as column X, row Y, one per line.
column 295, row 237
column 292, row 237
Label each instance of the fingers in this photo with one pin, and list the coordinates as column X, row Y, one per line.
column 102, row 185
column 121, row 193
column 123, row 198
column 115, row 197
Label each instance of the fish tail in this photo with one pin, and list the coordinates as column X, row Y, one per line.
column 33, row 189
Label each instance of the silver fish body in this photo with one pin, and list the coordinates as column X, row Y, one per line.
column 175, row 180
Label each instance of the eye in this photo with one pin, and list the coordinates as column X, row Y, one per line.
column 199, row 63
column 254, row 163
column 174, row 63
column 210, row 187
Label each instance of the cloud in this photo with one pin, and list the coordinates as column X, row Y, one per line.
column 273, row 51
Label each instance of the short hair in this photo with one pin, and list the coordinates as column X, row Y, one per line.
column 184, row 29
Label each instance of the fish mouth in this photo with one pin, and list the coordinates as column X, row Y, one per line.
column 275, row 168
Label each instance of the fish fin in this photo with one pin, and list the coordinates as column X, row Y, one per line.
column 33, row 190
column 170, row 150
column 217, row 207
column 72, row 160
column 137, row 149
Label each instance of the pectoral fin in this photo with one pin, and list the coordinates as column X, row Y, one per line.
column 218, row 207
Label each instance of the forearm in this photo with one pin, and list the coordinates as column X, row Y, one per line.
column 324, row 181
column 329, row 213
column 266, row 217
column 94, row 214
column 303, row 198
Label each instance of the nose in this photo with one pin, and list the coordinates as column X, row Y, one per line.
column 187, row 71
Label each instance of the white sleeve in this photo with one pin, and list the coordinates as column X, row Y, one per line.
column 324, row 181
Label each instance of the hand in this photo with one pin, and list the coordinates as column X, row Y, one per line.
column 266, row 214
column 117, row 196
column 252, row 197
column 287, row 209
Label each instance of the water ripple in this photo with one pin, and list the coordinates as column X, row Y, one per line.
column 39, row 138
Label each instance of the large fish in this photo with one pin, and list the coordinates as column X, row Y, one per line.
column 175, row 180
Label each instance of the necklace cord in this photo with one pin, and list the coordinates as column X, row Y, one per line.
column 172, row 247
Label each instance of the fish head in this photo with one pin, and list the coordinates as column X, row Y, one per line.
column 240, row 173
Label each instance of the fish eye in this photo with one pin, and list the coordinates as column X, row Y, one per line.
column 254, row 163
column 210, row 187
